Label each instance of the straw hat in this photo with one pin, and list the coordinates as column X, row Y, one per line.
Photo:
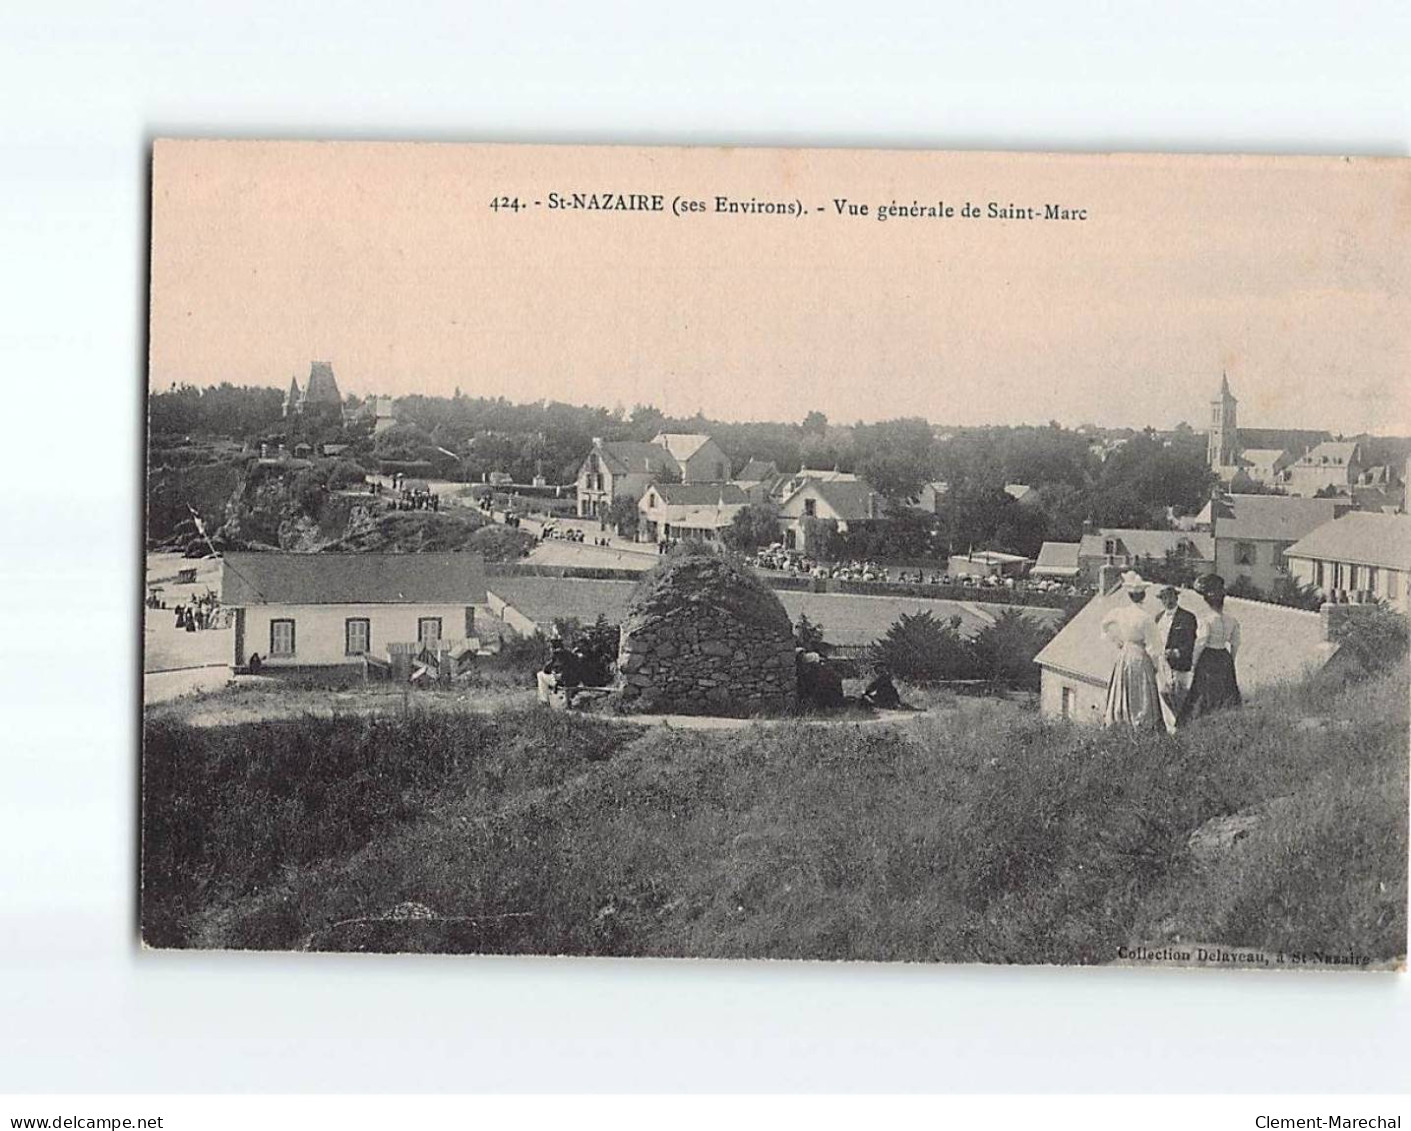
column 1133, row 582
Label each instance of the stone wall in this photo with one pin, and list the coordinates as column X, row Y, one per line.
column 704, row 639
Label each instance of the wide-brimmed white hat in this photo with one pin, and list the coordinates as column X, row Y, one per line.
column 1133, row 581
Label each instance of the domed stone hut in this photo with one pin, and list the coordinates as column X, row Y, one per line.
column 704, row 636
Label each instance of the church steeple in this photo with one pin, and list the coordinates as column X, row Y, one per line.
column 1223, row 448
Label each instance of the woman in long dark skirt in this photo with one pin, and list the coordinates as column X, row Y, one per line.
column 1217, row 642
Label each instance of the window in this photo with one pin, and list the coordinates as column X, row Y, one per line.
column 1109, row 547
column 1371, row 579
column 357, row 636
column 720, row 472
column 810, row 508
column 1393, row 584
column 1244, row 553
column 1318, row 574
column 281, row 638
column 428, row 631
column 1067, row 701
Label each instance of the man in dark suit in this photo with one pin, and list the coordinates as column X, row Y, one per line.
column 1176, row 627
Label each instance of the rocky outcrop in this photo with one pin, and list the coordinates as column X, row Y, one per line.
column 704, row 637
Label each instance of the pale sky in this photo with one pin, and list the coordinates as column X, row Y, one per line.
column 1290, row 274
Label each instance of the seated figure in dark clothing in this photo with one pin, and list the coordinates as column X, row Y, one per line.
column 882, row 692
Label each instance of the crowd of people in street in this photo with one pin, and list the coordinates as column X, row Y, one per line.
column 413, row 496
column 1172, row 666
column 781, row 560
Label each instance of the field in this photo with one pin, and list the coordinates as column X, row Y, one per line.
column 975, row 833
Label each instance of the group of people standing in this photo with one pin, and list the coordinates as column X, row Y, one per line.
column 1174, row 665
column 200, row 614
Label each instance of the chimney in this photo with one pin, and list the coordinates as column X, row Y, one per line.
column 1089, row 527
column 1109, row 577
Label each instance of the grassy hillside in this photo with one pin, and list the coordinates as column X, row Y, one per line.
column 981, row 833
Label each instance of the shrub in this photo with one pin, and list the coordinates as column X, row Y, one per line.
column 1374, row 635
column 501, row 543
column 1004, row 651
column 922, row 649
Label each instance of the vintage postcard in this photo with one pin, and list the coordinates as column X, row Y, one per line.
column 757, row 553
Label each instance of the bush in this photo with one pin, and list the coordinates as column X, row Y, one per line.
column 345, row 473
column 1004, row 651
column 922, row 649
column 501, row 543
column 1374, row 635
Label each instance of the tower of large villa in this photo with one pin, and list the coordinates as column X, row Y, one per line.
column 1224, row 447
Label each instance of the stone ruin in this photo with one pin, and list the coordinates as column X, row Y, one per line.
column 704, row 636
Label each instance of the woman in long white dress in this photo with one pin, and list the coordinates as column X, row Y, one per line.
column 1133, row 699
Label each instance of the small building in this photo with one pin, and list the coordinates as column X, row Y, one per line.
column 1131, row 549
column 1359, row 556
column 621, row 469
column 1058, row 561
column 844, row 502
column 1276, row 644
column 699, row 458
column 987, row 563
column 328, row 610
column 1253, row 532
column 701, row 511
column 1265, row 465
column 1022, row 494
column 788, row 484
column 757, row 479
column 929, row 497
column 1335, row 464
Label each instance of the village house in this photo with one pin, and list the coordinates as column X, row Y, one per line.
column 757, row 479
column 1335, row 464
column 328, row 610
column 1276, row 644
column 702, row 511
column 624, row 469
column 1265, row 466
column 788, row 484
column 1058, row 561
column 621, row 469
column 1022, row 494
column 1359, row 556
column 1253, row 532
column 845, row 501
column 699, row 458
column 1131, row 549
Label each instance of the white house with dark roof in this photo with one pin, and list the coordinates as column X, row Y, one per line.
column 1277, row 644
column 848, row 502
column 327, row 610
column 1265, row 465
column 1333, row 463
column 1130, row 549
column 699, row 457
column 621, row 469
column 1362, row 555
column 671, row 511
column 1253, row 532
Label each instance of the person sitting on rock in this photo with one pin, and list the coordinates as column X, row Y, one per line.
column 882, row 692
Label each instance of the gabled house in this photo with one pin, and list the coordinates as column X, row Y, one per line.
column 1361, row 555
column 1253, row 532
column 699, row 457
column 1265, row 465
column 1130, row 549
column 845, row 501
column 621, row 469
column 1334, row 463
column 757, row 479
column 328, row 610
column 1022, row 494
column 672, row 511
